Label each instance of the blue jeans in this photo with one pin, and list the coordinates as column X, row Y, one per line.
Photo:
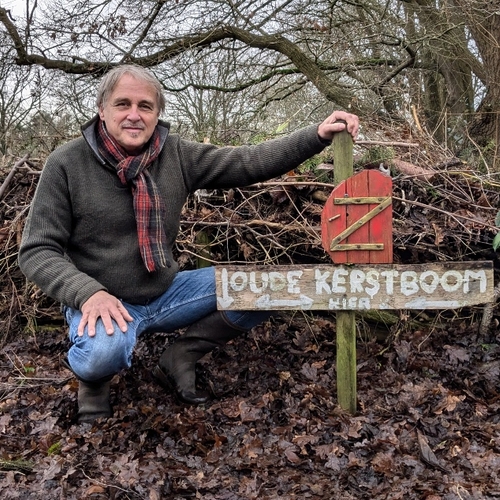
column 190, row 298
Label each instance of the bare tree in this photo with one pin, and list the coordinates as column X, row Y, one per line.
column 483, row 20
column 459, row 63
column 17, row 98
column 382, row 56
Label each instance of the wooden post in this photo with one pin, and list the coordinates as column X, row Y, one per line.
column 346, row 320
column 202, row 240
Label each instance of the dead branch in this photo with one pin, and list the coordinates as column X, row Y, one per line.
column 453, row 215
column 388, row 143
column 263, row 185
column 412, row 170
column 10, row 176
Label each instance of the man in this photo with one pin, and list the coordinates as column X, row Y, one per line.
column 103, row 222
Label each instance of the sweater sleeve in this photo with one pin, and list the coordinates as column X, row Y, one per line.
column 42, row 256
column 222, row 167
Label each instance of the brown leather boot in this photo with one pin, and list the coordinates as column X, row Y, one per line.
column 93, row 400
column 176, row 370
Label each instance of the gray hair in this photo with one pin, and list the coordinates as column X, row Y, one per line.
column 110, row 79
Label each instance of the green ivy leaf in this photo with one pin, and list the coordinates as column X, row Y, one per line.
column 496, row 242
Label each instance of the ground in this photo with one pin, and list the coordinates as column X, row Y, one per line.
column 427, row 425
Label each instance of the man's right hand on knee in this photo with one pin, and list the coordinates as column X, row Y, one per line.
column 107, row 307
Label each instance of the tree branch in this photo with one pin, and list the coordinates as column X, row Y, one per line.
column 145, row 31
column 331, row 90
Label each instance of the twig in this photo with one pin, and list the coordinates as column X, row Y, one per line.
column 10, row 176
column 250, row 223
column 261, row 185
column 108, row 485
column 48, row 380
column 416, row 203
column 388, row 143
column 453, row 215
column 28, row 170
column 20, row 465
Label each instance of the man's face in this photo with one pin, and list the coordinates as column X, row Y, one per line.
column 131, row 113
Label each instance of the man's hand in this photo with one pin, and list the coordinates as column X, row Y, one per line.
column 107, row 307
column 328, row 128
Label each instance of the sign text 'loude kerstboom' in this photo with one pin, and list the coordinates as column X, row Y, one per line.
column 355, row 287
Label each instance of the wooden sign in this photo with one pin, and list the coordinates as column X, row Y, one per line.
column 348, row 288
column 356, row 223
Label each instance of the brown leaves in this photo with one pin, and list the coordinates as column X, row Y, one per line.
column 275, row 432
column 426, row 454
column 383, row 463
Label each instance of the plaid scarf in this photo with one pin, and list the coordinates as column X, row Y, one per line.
column 148, row 206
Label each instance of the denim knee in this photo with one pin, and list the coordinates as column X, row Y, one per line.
column 94, row 358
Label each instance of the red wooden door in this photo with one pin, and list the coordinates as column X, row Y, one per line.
column 356, row 223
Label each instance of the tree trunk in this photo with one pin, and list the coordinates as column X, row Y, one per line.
column 484, row 24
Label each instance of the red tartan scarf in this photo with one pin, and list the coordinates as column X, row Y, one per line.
column 148, row 205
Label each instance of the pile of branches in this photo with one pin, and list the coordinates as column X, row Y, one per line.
column 443, row 210
column 441, row 213
column 21, row 303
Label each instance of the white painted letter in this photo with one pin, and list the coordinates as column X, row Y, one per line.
column 253, row 282
column 356, row 279
column 293, row 277
column 389, row 280
column 276, row 281
column 334, row 304
column 321, row 283
column 233, row 281
column 364, row 303
column 456, row 282
column 409, row 284
column 372, row 279
column 351, row 304
column 429, row 287
column 338, row 280
column 475, row 275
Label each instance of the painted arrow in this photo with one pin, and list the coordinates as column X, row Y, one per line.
column 422, row 303
column 225, row 301
column 265, row 302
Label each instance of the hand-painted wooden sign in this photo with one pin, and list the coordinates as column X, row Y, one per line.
column 447, row 285
column 356, row 223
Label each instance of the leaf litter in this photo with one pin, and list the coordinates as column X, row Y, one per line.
column 428, row 424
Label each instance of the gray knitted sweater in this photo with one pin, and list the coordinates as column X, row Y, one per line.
column 80, row 235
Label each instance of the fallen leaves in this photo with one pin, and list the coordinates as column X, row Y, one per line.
column 427, row 455
column 428, row 427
